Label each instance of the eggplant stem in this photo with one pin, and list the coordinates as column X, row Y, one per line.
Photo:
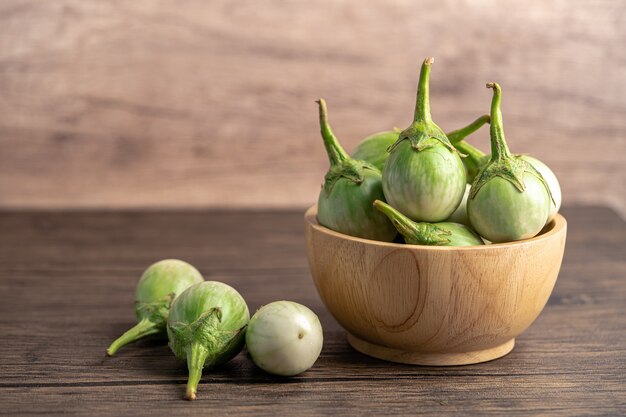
column 458, row 135
column 336, row 154
column 196, row 357
column 144, row 328
column 415, row 233
column 422, row 104
column 499, row 148
column 469, row 149
column 407, row 227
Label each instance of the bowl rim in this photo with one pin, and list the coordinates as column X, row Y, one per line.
column 556, row 227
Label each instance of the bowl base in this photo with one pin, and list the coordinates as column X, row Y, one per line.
column 430, row 359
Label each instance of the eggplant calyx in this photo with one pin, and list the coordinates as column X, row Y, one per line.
column 186, row 334
column 201, row 343
column 511, row 169
column 508, row 169
column 430, row 234
column 423, row 135
column 351, row 169
column 203, row 351
column 156, row 311
column 206, row 331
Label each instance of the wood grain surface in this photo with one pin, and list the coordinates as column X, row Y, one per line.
column 67, row 281
column 210, row 103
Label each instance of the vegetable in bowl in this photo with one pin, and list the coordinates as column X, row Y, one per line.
column 476, row 159
column 509, row 199
column 350, row 187
column 424, row 176
column 373, row 149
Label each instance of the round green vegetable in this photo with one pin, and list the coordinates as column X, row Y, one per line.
column 433, row 234
column 350, row 187
column 509, row 199
column 156, row 289
column 424, row 176
column 206, row 327
column 460, row 214
column 284, row 338
column 477, row 159
column 553, row 185
column 374, row 148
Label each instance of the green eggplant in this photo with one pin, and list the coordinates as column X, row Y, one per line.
column 158, row 286
column 553, row 185
column 206, row 327
column 350, row 187
column 509, row 199
column 460, row 214
column 374, row 148
column 424, row 176
column 476, row 159
column 432, row 234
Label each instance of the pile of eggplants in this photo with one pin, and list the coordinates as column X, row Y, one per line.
column 206, row 324
column 425, row 187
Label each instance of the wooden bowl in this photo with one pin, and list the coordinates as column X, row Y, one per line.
column 433, row 305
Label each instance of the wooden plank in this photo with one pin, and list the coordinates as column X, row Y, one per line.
column 150, row 104
column 61, row 309
column 208, row 239
column 95, row 307
column 212, row 240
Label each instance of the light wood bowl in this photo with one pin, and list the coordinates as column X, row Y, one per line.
column 433, row 305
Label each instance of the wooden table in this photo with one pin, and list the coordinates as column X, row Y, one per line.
column 67, row 281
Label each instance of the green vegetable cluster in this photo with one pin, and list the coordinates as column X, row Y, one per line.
column 435, row 188
column 206, row 324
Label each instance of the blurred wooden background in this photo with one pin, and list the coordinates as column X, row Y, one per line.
column 125, row 104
